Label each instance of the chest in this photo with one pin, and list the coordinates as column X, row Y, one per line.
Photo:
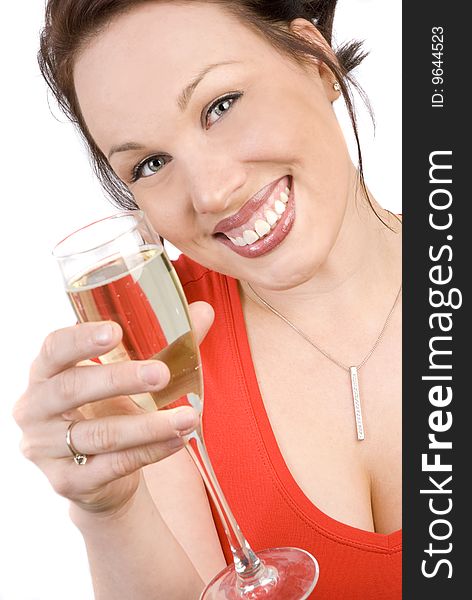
column 309, row 403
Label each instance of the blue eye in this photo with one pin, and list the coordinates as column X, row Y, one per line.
column 219, row 107
column 149, row 166
column 153, row 164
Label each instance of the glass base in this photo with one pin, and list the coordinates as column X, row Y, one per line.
column 287, row 574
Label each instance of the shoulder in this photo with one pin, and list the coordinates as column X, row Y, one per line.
column 189, row 271
column 199, row 282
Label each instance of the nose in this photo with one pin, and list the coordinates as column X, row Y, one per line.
column 213, row 179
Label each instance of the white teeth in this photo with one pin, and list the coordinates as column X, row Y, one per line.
column 250, row 236
column 271, row 217
column 261, row 227
column 238, row 241
column 279, row 207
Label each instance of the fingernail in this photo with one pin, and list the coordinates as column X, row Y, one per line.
column 152, row 373
column 103, row 335
column 184, row 419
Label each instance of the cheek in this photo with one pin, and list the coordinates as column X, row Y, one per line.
column 166, row 213
column 301, row 133
column 270, row 129
column 294, row 124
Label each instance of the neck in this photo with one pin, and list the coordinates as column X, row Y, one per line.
column 360, row 276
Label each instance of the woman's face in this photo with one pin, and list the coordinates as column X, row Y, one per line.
column 209, row 125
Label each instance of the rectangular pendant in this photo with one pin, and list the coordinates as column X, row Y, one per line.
column 356, row 398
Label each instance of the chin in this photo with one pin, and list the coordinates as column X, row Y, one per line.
column 288, row 273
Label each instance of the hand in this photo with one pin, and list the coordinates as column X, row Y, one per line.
column 118, row 436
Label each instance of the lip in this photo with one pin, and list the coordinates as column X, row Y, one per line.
column 271, row 240
column 247, row 210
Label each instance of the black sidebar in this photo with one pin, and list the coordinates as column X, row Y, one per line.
column 437, row 349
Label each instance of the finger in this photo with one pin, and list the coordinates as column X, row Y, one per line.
column 118, row 405
column 77, row 386
column 117, row 433
column 66, row 347
column 120, row 464
column 202, row 316
column 80, row 482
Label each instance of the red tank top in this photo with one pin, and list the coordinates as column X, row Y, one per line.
column 270, row 507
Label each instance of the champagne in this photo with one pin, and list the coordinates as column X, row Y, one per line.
column 142, row 293
column 127, row 279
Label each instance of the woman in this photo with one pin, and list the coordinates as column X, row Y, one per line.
column 216, row 119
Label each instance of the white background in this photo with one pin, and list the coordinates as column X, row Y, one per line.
column 48, row 190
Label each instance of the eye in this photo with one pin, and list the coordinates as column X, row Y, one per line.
column 149, row 166
column 219, row 107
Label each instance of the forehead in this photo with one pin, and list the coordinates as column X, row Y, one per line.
column 144, row 58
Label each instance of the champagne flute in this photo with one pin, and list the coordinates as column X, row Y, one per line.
column 116, row 269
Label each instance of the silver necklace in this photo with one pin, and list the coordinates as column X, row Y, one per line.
column 353, row 371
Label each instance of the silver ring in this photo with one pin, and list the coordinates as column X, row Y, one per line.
column 79, row 459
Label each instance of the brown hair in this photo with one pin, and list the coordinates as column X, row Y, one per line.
column 71, row 24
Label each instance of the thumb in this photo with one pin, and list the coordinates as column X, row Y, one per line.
column 202, row 316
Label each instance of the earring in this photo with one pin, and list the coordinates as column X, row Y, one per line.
column 336, row 86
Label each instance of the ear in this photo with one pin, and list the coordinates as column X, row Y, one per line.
column 306, row 30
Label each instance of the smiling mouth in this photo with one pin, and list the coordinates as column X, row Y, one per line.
column 260, row 215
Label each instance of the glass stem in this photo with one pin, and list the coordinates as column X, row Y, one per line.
column 246, row 563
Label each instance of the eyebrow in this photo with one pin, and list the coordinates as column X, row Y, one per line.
column 182, row 101
column 186, row 94
column 126, row 147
